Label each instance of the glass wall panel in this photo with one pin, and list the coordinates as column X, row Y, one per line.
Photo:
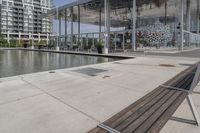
column 157, row 25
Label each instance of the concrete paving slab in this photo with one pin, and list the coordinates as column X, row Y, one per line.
column 55, row 81
column 99, row 100
column 42, row 114
column 16, row 90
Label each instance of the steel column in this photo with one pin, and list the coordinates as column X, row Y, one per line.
column 188, row 22
column 115, row 41
column 134, row 26
column 123, row 43
column 165, row 12
column 57, row 25
column 79, row 26
column 72, row 27
column 100, row 11
column 107, row 25
column 181, row 27
column 93, row 43
column 86, row 39
column 60, row 26
column 198, row 16
column 66, row 27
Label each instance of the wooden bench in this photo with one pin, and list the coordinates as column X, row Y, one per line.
column 150, row 113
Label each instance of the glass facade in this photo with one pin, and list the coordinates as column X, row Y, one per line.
column 169, row 24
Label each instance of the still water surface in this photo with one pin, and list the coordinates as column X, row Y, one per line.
column 17, row 62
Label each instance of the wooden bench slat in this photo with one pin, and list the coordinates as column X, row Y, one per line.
column 180, row 76
column 147, row 124
column 140, row 111
column 182, row 81
column 132, row 110
column 142, row 100
column 158, row 125
column 134, row 125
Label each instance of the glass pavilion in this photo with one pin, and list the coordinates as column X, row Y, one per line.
column 128, row 24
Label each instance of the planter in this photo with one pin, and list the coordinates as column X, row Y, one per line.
column 100, row 50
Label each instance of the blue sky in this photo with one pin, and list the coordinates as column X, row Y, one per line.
column 61, row 2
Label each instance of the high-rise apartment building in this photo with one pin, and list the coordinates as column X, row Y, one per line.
column 22, row 19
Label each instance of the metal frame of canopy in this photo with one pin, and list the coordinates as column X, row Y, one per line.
column 95, row 9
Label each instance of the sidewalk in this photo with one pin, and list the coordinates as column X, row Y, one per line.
column 76, row 100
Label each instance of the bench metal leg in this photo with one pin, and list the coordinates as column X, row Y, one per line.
column 107, row 128
column 193, row 109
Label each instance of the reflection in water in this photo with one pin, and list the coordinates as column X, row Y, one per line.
column 17, row 62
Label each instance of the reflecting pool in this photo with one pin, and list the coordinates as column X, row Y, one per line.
column 17, row 62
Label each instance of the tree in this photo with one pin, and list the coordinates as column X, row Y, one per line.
column 30, row 42
column 43, row 42
column 13, row 42
column 20, row 43
column 3, row 41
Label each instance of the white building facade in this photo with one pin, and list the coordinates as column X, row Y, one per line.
column 22, row 20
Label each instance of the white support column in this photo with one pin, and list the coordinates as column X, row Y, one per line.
column 39, row 38
column 47, row 39
column 79, row 25
column 19, row 37
column 8, row 37
column 65, row 27
column 198, row 16
column 93, row 43
column 134, row 26
column 57, row 25
column 123, row 42
column 181, row 27
column 82, row 41
column 60, row 34
column 29, row 37
column 188, row 17
column 72, row 27
column 100, row 11
column 32, row 46
column 107, row 25
column 115, row 41
column 86, row 39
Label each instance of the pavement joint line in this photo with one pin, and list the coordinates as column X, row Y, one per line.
column 20, row 99
column 63, row 102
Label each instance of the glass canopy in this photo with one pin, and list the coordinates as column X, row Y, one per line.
column 130, row 24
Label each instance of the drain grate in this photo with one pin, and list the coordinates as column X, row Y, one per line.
column 90, row 71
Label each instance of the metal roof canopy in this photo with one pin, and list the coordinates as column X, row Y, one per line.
column 90, row 11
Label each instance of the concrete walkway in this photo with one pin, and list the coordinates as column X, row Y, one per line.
column 76, row 100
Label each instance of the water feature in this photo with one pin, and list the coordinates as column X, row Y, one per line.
column 17, row 62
